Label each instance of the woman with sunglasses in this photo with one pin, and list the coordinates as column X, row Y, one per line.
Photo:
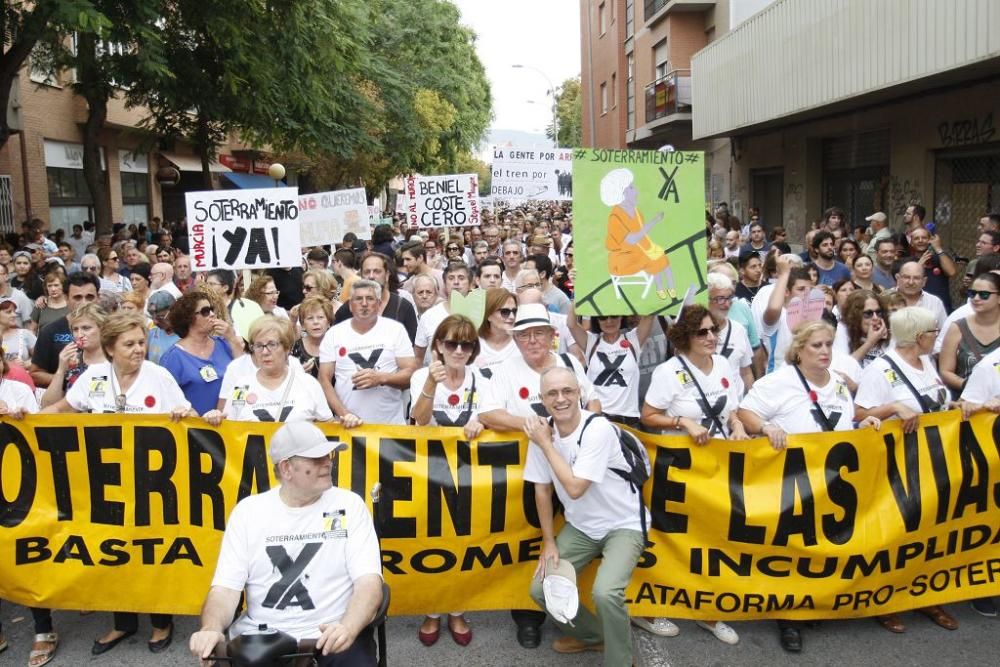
column 903, row 384
column 270, row 390
column 111, row 279
column 454, row 251
column 803, row 396
column 971, row 338
column 612, row 345
column 862, row 332
column 127, row 384
column 679, row 392
column 446, row 393
column 208, row 344
column 496, row 340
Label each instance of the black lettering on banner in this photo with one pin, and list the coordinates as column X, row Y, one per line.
column 739, row 529
column 718, row 557
column 666, row 490
column 101, row 474
column 767, row 563
column 841, row 492
column 254, row 477
column 149, row 481
column 829, row 567
column 391, row 561
column 795, row 483
column 857, row 565
column 394, row 488
column 499, row 456
column 907, row 497
column 456, row 493
column 115, row 553
column 530, row 506
column 15, row 510
column 206, row 443
column 74, row 548
column 529, row 550
column 289, row 591
column 359, row 465
column 182, row 548
column 669, row 187
column 940, row 467
column 973, row 489
column 611, row 375
column 29, row 550
column 148, row 546
column 476, row 556
column 996, row 443
column 59, row 441
column 420, row 564
column 365, row 362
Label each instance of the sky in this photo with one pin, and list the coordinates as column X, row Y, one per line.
column 544, row 34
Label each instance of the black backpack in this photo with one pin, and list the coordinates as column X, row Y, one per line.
column 637, row 460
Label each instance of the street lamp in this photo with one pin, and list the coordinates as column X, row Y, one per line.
column 277, row 172
column 552, row 92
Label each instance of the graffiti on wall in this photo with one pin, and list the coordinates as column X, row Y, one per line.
column 897, row 193
column 975, row 130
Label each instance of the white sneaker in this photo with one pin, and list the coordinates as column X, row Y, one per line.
column 661, row 627
column 722, row 632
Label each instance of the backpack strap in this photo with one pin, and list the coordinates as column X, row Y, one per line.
column 827, row 426
column 711, row 413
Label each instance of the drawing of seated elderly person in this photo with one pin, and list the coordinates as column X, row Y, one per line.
column 630, row 250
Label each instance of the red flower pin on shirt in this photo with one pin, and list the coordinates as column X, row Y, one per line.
column 625, row 344
column 813, row 397
column 453, row 399
column 523, row 393
column 150, row 401
column 343, row 351
column 725, row 383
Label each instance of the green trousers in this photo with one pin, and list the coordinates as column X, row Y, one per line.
column 619, row 551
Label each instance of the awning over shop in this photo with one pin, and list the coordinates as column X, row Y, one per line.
column 250, row 181
column 191, row 163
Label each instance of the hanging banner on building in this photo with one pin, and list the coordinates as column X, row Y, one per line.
column 97, row 511
column 325, row 217
column 539, row 174
column 243, row 229
column 442, row 201
column 638, row 230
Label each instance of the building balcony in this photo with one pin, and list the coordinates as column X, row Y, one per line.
column 654, row 10
column 669, row 95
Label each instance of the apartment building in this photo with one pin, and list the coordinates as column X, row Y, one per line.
column 871, row 106
column 41, row 166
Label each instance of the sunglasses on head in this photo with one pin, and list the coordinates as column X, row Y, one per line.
column 453, row 345
column 868, row 314
column 981, row 293
column 508, row 313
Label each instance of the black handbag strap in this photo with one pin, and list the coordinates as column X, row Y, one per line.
column 701, row 392
column 921, row 399
column 827, row 426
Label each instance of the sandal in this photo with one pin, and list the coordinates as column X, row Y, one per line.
column 38, row 656
column 940, row 617
column 892, row 623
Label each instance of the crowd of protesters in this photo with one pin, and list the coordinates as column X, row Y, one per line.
column 363, row 333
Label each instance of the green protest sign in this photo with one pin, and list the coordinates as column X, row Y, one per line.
column 638, row 230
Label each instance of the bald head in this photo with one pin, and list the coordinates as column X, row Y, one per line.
column 160, row 274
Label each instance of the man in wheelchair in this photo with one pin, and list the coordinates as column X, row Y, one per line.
column 306, row 555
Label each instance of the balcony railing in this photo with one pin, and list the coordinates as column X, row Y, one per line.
column 650, row 7
column 668, row 95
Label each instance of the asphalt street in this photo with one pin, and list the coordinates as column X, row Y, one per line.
column 856, row 642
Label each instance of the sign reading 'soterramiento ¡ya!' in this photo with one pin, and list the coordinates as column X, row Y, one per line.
column 540, row 174
column 442, row 201
column 325, row 217
column 243, row 229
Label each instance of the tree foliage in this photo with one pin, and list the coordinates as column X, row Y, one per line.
column 569, row 111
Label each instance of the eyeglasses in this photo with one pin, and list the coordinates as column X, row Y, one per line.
column 868, row 314
column 981, row 293
column 454, row 345
column 270, row 347
column 568, row 392
column 721, row 300
column 272, row 292
column 430, row 246
column 89, row 269
column 930, row 331
column 207, row 311
column 508, row 313
column 452, row 248
column 113, row 259
column 533, row 334
column 704, row 331
column 308, row 288
column 529, row 286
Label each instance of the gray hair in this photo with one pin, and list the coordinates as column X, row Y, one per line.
column 908, row 323
column 364, row 283
column 720, row 281
column 92, row 256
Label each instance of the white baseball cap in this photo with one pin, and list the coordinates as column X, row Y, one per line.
column 302, row 439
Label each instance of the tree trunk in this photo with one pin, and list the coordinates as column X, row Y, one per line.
column 205, row 148
column 13, row 58
column 93, row 88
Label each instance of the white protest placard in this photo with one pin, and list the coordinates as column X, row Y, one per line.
column 541, row 174
column 243, row 229
column 442, row 201
column 326, row 216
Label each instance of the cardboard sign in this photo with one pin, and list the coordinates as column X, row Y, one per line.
column 326, row 217
column 442, row 201
column 243, row 229
column 638, row 230
column 521, row 174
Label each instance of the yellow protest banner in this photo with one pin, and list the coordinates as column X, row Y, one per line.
column 101, row 512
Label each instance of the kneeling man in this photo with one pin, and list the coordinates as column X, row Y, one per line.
column 305, row 553
column 603, row 515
